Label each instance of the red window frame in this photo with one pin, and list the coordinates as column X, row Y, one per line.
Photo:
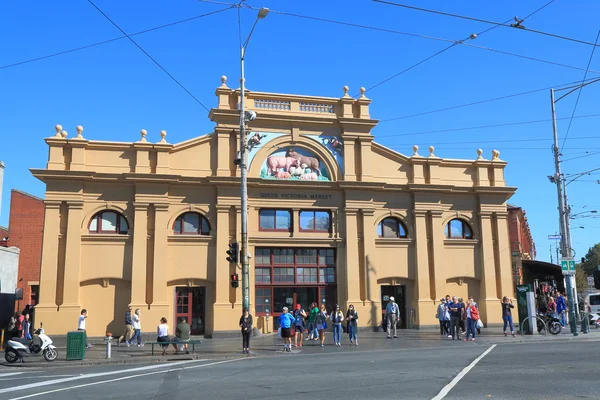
column 262, row 296
column 202, row 222
column 117, row 230
column 400, row 227
column 314, row 216
column 275, row 229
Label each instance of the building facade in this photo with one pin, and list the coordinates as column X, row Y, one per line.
column 334, row 217
column 522, row 245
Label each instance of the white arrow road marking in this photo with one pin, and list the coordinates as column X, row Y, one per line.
column 10, row 374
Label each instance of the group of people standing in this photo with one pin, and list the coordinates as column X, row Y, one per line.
column 21, row 324
column 553, row 303
column 456, row 317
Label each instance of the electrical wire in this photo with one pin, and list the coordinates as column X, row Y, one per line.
column 483, row 126
column 579, row 92
column 112, row 40
column 148, row 55
column 576, row 158
column 516, row 25
column 506, row 141
column 477, row 102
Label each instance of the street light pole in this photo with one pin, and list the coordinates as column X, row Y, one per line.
column 245, row 258
column 565, row 236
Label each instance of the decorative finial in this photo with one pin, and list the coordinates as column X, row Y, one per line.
column 362, row 93
column 346, row 88
column 495, row 155
column 143, row 133
column 58, row 129
column 431, row 149
column 79, row 129
column 163, row 134
column 479, row 154
column 416, row 151
column 64, row 134
column 223, row 81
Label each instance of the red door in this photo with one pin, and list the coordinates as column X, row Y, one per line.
column 190, row 304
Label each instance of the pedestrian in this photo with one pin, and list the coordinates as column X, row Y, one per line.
column 312, row 324
column 476, row 306
column 137, row 328
column 182, row 336
column 27, row 327
column 246, row 326
column 12, row 327
column 299, row 317
column 163, row 334
column 463, row 318
column 551, row 306
column 472, row 316
column 561, row 308
column 19, row 325
column 352, row 324
column 337, row 318
column 392, row 314
column 128, row 328
column 81, row 326
column 507, row 307
column 455, row 309
column 321, row 322
column 286, row 322
column 441, row 315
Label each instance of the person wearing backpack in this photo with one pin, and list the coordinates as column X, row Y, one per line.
column 299, row 316
column 441, row 314
column 472, row 314
column 337, row 317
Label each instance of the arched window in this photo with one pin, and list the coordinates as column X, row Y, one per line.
column 391, row 227
column 458, row 229
column 191, row 223
column 109, row 221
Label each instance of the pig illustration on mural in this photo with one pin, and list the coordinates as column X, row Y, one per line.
column 274, row 163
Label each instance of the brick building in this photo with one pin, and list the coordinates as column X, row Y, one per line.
column 3, row 232
column 25, row 226
column 522, row 245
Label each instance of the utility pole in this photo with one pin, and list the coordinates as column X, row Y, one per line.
column 565, row 236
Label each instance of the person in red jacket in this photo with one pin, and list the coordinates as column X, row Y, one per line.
column 472, row 316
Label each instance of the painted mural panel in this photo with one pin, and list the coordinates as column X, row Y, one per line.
column 291, row 163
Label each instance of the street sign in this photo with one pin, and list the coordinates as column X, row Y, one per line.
column 590, row 281
column 554, row 237
column 567, row 266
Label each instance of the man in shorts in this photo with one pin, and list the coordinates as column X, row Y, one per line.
column 299, row 316
column 286, row 322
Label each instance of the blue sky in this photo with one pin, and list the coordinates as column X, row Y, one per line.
column 114, row 90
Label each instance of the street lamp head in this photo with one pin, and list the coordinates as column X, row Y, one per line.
column 249, row 115
column 263, row 12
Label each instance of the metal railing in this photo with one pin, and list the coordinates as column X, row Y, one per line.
column 534, row 318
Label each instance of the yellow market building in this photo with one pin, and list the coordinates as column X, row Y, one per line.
column 334, row 217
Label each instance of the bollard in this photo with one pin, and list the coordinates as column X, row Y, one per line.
column 2, row 341
column 108, row 344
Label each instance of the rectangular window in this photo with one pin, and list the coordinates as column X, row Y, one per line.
column 306, row 275
column 327, row 275
column 327, row 257
column 315, row 221
column 263, row 275
column 283, row 275
column 263, row 256
column 263, row 300
column 275, row 220
column 283, row 256
column 307, row 256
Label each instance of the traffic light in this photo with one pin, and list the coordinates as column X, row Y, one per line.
column 233, row 253
column 234, row 281
column 597, row 279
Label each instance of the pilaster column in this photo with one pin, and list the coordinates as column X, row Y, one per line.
column 352, row 274
column 504, row 267
column 373, row 291
column 73, row 255
column 159, row 284
column 437, row 237
column 223, row 141
column 365, row 159
column 489, row 303
column 49, row 270
column 421, row 266
column 140, row 251
column 349, row 159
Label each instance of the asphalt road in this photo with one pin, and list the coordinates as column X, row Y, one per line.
column 378, row 370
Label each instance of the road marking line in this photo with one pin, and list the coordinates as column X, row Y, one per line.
column 446, row 389
column 123, row 378
column 95, row 375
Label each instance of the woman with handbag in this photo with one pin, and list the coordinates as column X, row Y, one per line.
column 352, row 318
column 321, row 322
column 246, row 326
column 472, row 317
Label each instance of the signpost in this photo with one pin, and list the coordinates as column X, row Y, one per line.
column 568, row 266
column 554, row 237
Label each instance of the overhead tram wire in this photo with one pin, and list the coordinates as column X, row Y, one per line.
column 500, row 141
column 586, row 155
column 112, row 40
column 579, row 92
column 148, row 55
column 517, row 25
column 479, row 102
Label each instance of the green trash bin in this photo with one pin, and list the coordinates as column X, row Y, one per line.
column 76, row 341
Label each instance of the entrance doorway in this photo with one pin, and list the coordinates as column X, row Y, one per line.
column 190, row 303
column 290, row 296
column 398, row 292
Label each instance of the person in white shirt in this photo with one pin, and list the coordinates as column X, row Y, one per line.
column 81, row 325
column 137, row 327
column 163, row 334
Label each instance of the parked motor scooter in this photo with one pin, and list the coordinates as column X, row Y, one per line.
column 551, row 321
column 17, row 349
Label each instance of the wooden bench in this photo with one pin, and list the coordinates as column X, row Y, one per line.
column 179, row 343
